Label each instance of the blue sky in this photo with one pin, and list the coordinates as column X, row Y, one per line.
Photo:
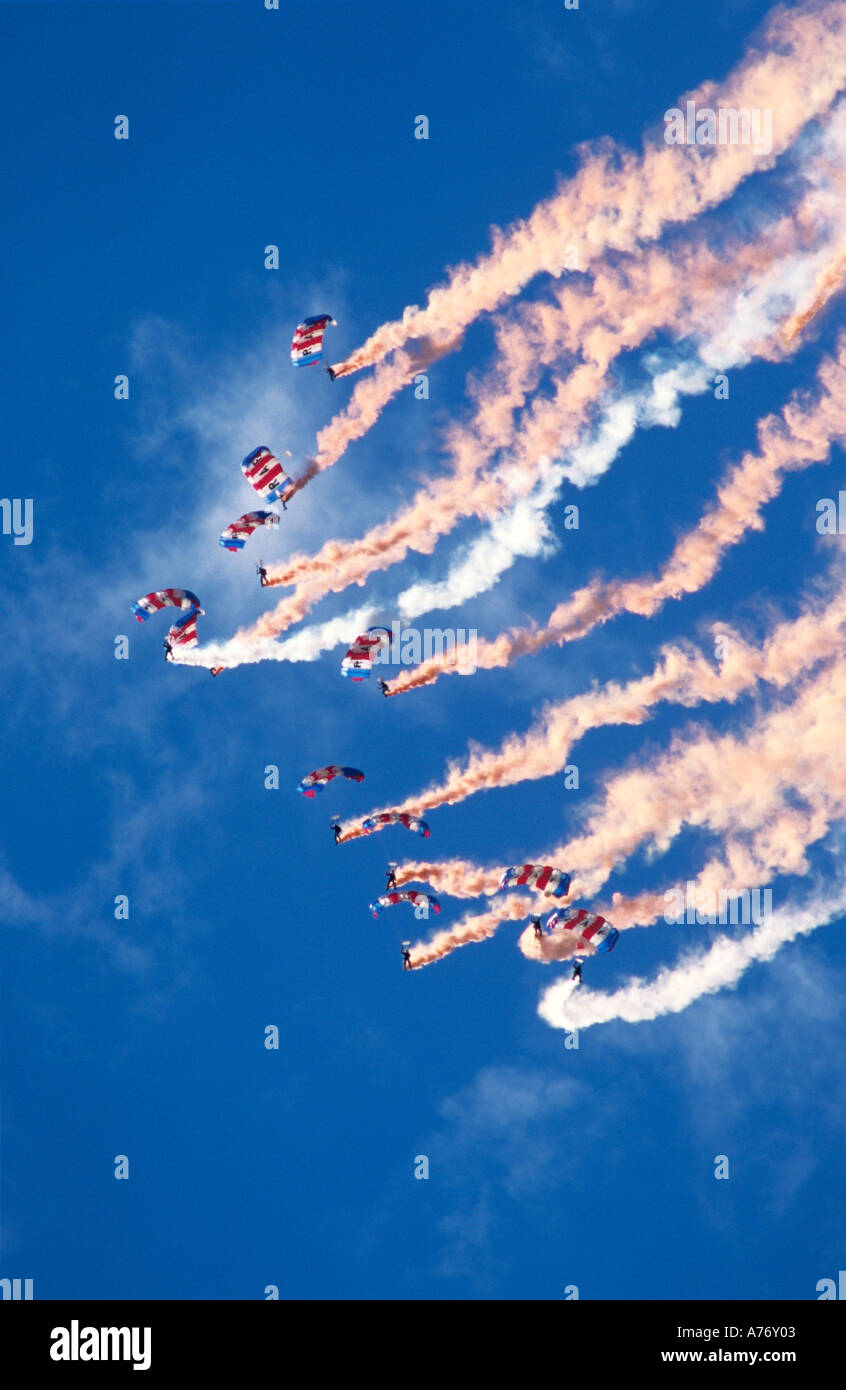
column 548, row 1167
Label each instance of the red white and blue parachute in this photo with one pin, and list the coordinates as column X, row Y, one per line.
column 358, row 662
column 419, row 900
column 554, row 882
column 307, row 346
column 591, row 929
column 184, row 632
column 266, row 476
column 316, row 781
column 165, row 598
column 238, row 532
column 412, row 823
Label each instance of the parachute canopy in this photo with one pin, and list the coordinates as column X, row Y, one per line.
column 413, row 823
column 266, row 476
column 358, row 662
column 554, row 882
column 418, row 899
column 164, row 598
column 588, row 926
column 238, row 532
column 316, row 781
column 307, row 346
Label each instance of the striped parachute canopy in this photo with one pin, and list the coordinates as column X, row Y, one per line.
column 358, row 662
column 316, row 781
column 238, row 532
column 307, row 347
column 184, row 631
column 266, row 476
column 423, row 903
column 164, row 598
column 412, row 823
column 554, row 882
column 591, row 929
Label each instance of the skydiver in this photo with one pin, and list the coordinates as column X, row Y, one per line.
column 406, row 955
column 338, row 832
column 577, row 972
column 331, row 373
column 383, row 686
column 262, row 573
column 168, row 646
column 391, row 876
column 537, row 928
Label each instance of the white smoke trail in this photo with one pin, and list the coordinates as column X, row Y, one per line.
column 523, row 532
column 673, row 990
column 306, row 645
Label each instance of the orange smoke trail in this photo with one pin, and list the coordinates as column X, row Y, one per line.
column 625, row 306
column 798, row 437
column 354, row 834
column 681, row 676
column 468, row 930
column 522, row 354
column 767, row 796
column 369, row 399
column 457, row 877
column 617, row 200
column 829, row 282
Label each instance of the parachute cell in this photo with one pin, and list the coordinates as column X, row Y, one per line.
column 554, row 882
column 266, row 476
column 412, row 823
column 316, row 781
column 417, row 899
column 357, row 665
column 307, row 347
column 589, row 927
column 238, row 532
